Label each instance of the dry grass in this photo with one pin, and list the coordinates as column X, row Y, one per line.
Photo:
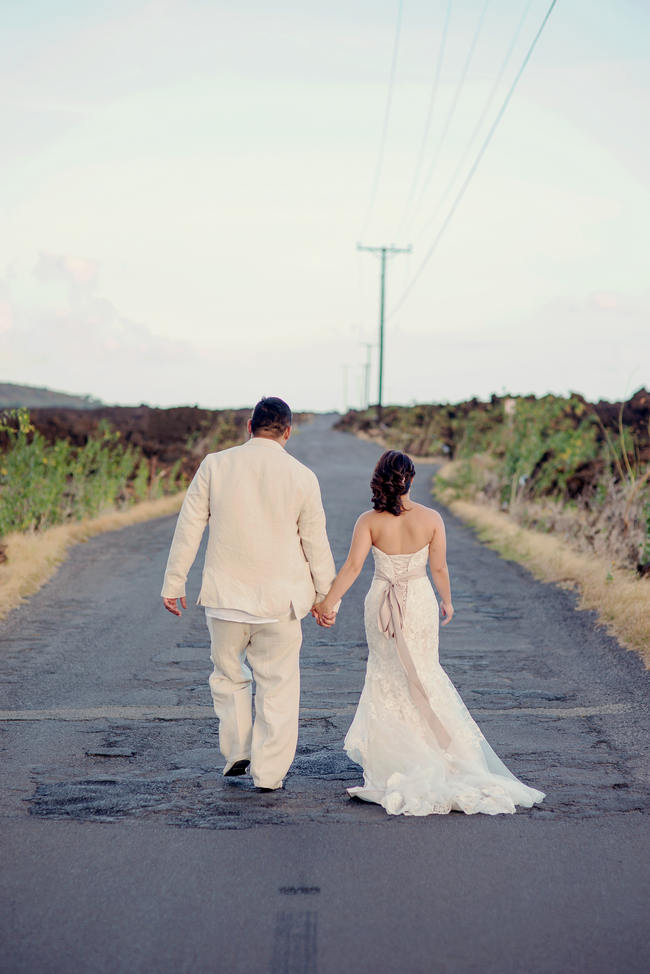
column 621, row 599
column 34, row 557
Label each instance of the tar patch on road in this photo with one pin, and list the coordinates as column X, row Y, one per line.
column 295, row 942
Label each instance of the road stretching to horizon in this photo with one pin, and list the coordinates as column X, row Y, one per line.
column 124, row 849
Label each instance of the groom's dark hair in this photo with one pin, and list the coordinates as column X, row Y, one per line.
column 271, row 416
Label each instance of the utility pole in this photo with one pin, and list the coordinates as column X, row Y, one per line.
column 366, row 375
column 383, row 251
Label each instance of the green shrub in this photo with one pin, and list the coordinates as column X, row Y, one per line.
column 45, row 484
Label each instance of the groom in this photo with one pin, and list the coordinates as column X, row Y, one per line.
column 267, row 562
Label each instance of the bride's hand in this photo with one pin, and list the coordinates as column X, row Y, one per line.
column 447, row 611
column 323, row 614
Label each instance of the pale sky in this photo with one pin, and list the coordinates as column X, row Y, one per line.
column 184, row 185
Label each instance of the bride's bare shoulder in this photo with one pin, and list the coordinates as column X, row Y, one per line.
column 428, row 511
column 366, row 518
column 432, row 516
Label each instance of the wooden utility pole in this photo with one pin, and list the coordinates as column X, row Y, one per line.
column 382, row 301
column 366, row 375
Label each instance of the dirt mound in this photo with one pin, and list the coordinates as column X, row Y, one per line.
column 182, row 433
column 440, row 428
column 634, row 414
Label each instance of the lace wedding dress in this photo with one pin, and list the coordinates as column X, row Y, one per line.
column 420, row 750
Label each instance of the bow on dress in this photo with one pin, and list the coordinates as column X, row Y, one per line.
column 391, row 623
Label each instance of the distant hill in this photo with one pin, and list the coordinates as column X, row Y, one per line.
column 36, row 397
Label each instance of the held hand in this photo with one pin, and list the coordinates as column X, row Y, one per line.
column 323, row 614
column 326, row 621
column 447, row 611
column 172, row 606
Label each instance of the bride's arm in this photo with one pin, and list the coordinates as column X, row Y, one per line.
column 439, row 570
column 359, row 548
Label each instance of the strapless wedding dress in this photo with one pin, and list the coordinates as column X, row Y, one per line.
column 420, row 750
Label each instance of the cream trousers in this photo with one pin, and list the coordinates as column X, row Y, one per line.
column 272, row 651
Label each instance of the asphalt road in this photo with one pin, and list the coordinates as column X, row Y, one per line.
column 124, row 850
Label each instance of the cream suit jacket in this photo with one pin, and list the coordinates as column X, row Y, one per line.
column 267, row 546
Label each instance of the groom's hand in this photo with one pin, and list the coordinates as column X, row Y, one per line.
column 172, row 605
column 324, row 619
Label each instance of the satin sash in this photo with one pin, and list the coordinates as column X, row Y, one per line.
column 391, row 623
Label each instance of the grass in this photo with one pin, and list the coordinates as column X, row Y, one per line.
column 561, row 464
column 33, row 557
column 620, row 598
column 46, row 484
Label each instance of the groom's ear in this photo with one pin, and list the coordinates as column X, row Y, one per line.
column 286, row 434
column 249, row 427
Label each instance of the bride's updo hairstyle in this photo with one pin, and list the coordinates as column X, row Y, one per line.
column 391, row 479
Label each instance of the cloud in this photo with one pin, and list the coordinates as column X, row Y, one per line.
column 596, row 343
column 77, row 270
column 59, row 330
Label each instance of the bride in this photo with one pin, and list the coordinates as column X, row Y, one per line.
column 420, row 750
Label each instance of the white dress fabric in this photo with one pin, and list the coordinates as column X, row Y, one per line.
column 406, row 769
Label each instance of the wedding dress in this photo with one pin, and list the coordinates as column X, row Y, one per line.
column 420, row 750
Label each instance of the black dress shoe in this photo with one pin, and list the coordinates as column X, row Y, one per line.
column 238, row 768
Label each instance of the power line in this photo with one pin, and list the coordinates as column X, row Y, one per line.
column 479, row 124
column 384, row 131
column 455, row 100
column 474, row 167
column 429, row 116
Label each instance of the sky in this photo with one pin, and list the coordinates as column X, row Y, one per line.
column 185, row 182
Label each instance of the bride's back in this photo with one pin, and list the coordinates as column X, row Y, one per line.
column 405, row 533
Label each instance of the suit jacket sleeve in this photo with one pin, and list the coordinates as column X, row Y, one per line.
column 193, row 517
column 313, row 536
